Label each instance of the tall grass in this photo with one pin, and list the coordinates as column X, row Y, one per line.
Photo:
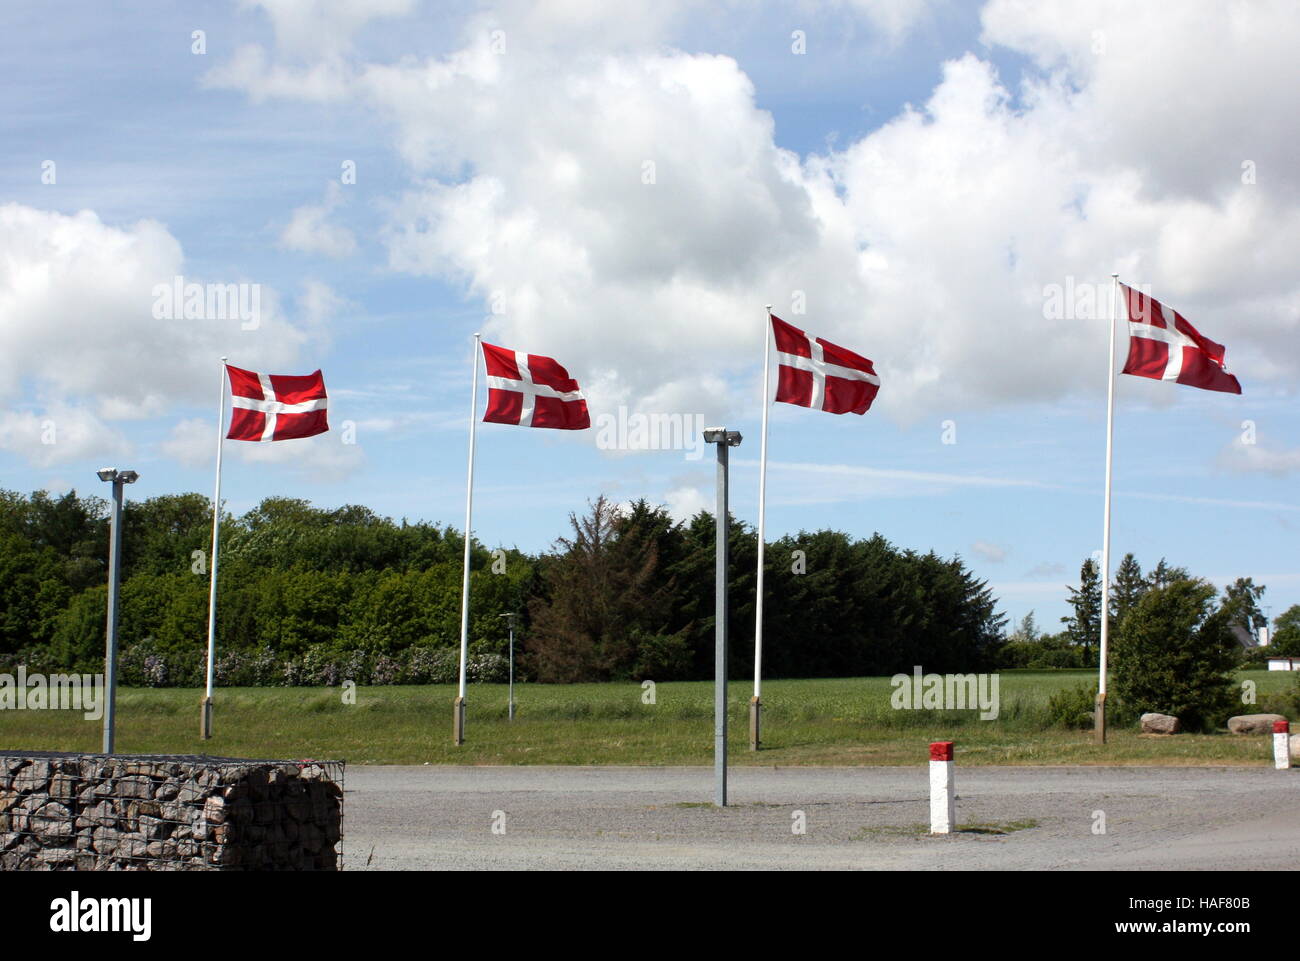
column 824, row 721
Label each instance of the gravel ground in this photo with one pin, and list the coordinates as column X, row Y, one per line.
column 641, row 818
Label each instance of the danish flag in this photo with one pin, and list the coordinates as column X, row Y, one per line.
column 532, row 391
column 1162, row 345
column 267, row 407
column 816, row 373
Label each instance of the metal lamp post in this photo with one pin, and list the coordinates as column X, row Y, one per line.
column 725, row 439
column 117, row 478
column 510, row 619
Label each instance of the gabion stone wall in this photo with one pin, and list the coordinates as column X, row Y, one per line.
column 95, row 812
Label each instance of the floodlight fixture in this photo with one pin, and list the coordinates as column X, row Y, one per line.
column 720, row 435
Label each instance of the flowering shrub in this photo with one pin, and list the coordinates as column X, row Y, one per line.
column 143, row 664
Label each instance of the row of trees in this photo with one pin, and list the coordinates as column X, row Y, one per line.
column 1077, row 644
column 628, row 593
column 1175, row 642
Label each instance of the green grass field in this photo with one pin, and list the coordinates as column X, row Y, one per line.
column 837, row 721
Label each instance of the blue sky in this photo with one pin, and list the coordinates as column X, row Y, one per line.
column 917, row 178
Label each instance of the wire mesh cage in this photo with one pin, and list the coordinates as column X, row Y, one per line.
column 98, row 812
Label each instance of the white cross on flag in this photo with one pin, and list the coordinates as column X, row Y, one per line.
column 816, row 373
column 267, row 407
column 532, row 391
column 1162, row 345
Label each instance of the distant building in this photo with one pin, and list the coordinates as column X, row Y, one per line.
column 1284, row 663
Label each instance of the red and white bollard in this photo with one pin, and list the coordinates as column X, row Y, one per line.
column 943, row 812
column 1281, row 745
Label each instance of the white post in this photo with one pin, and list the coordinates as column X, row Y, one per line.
column 943, row 808
column 1099, row 718
column 1282, row 745
column 756, row 703
column 458, row 717
column 205, row 718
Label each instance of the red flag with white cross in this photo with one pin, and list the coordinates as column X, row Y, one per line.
column 269, row 407
column 813, row 372
column 1162, row 345
column 531, row 391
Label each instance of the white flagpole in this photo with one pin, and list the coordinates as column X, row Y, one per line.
column 756, row 704
column 205, row 720
column 1099, row 718
column 458, row 717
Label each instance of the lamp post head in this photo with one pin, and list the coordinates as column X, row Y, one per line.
column 113, row 475
column 107, row 473
column 720, row 435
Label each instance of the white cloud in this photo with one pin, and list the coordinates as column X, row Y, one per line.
column 312, row 29
column 831, row 483
column 80, row 339
column 683, row 503
column 192, row 442
column 993, row 553
column 1257, row 458
column 895, row 18
column 318, row 304
column 926, row 244
column 323, row 458
column 310, row 232
column 59, row 435
column 1046, row 569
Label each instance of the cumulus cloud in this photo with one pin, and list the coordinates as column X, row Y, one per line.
column 192, row 442
column 312, row 29
column 310, row 231
column 628, row 206
column 60, row 434
column 683, row 503
column 92, row 332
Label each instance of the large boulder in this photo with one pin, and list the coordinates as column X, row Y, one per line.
column 1160, row 724
column 1253, row 723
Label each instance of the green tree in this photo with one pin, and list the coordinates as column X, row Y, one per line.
column 1083, row 627
column 78, row 641
column 1286, row 633
column 1242, row 598
column 1164, row 574
column 600, row 592
column 1126, row 590
column 1027, row 630
column 1175, row 654
column 32, row 592
column 160, row 534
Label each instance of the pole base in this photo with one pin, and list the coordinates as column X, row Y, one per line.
column 755, row 721
column 205, row 718
column 458, row 722
column 1099, row 720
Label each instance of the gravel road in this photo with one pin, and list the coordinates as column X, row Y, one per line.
column 643, row 818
